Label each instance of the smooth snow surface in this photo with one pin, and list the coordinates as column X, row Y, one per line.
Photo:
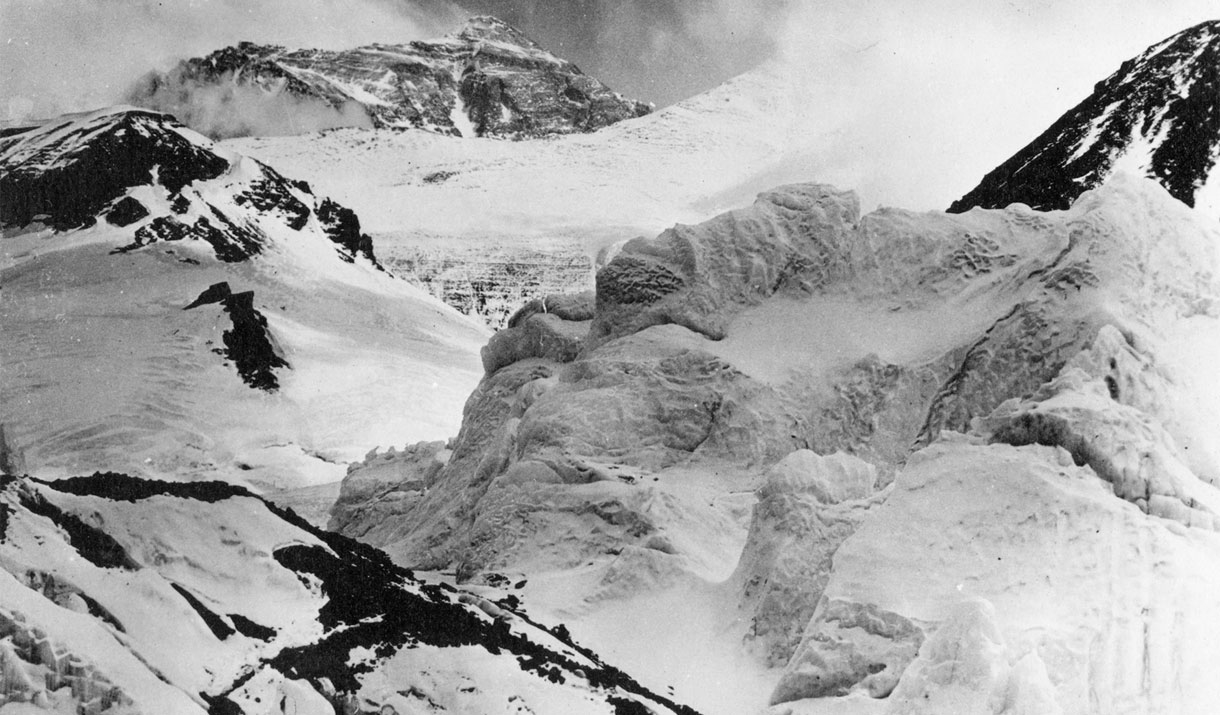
column 102, row 369
column 681, row 164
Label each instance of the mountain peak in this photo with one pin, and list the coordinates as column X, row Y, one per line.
column 1157, row 116
column 487, row 27
column 63, row 174
column 487, row 80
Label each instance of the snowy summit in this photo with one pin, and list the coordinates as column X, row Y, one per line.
column 1158, row 116
column 488, row 79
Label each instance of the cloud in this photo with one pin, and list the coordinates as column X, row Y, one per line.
column 65, row 55
column 226, row 109
column 660, row 51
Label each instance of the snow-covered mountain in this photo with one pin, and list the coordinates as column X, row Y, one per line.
column 430, row 201
column 174, row 309
column 848, row 462
column 488, row 79
column 119, row 595
column 1158, row 116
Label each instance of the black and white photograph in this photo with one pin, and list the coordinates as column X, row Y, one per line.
column 609, row 357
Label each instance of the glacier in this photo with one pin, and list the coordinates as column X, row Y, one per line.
column 1009, row 409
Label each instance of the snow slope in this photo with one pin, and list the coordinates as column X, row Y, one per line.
column 682, row 163
column 103, row 369
column 124, row 595
column 429, row 200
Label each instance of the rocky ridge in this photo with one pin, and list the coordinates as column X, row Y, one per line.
column 170, row 184
column 244, row 607
column 1158, row 116
column 486, row 80
column 115, row 220
column 906, row 350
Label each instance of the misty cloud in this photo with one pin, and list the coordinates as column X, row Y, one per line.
column 224, row 108
column 659, row 51
column 64, row 55
column 912, row 103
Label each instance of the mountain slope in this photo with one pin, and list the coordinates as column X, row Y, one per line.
column 1158, row 116
column 488, row 79
column 298, row 351
column 158, row 597
column 519, row 214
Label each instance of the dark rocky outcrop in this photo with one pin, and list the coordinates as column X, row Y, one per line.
column 92, row 543
column 249, row 343
column 65, row 174
column 367, row 604
column 126, row 211
column 505, row 84
column 1165, row 102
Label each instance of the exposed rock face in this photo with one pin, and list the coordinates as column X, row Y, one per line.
column 248, row 344
column 1158, row 115
column 64, row 174
column 486, row 80
column 241, row 604
column 112, row 222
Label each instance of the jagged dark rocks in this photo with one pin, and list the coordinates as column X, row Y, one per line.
column 368, row 611
column 1157, row 115
column 64, row 175
column 126, row 211
column 487, row 80
column 249, row 343
column 67, row 173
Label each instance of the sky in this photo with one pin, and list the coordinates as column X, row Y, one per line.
column 941, row 90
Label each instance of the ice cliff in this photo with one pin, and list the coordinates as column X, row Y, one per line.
column 979, row 446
